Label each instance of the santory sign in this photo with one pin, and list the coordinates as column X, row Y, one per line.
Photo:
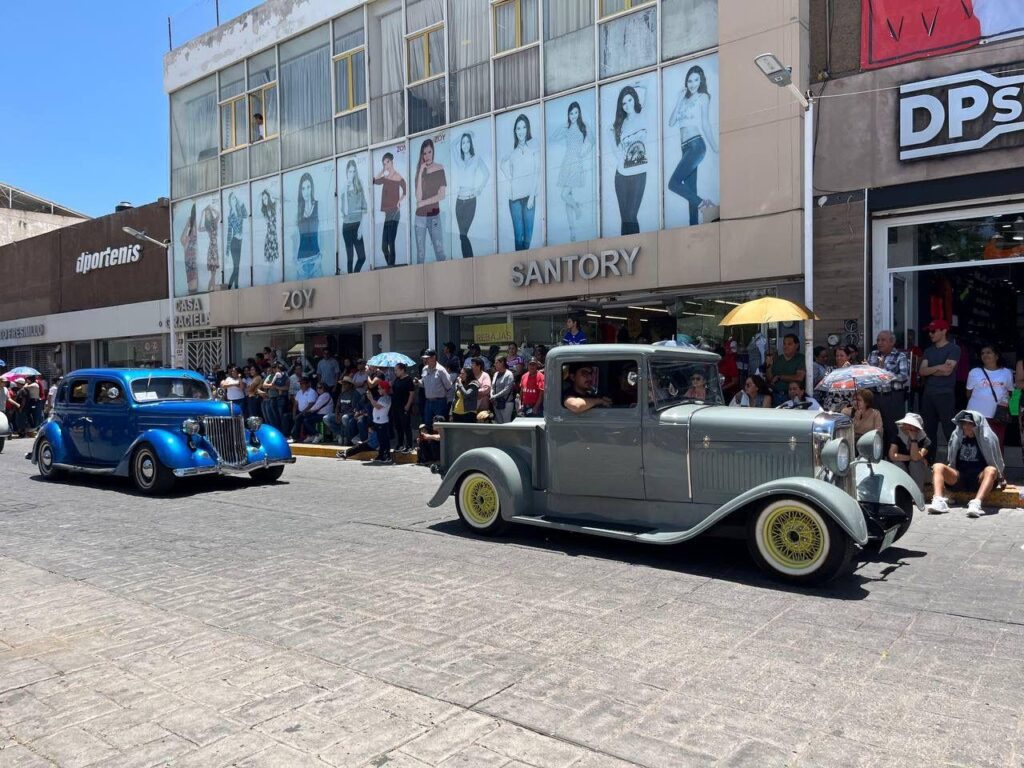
column 565, row 269
column 960, row 113
column 108, row 257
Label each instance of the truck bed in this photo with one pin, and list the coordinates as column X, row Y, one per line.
column 523, row 438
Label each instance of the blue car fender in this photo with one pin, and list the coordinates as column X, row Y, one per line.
column 878, row 483
column 172, row 450
column 272, row 444
column 836, row 503
column 510, row 475
column 51, row 431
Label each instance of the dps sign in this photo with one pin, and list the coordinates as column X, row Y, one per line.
column 960, row 113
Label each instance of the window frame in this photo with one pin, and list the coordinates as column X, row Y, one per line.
column 519, row 45
column 261, row 89
column 235, row 143
column 73, row 387
column 349, row 55
column 631, row 5
column 424, row 34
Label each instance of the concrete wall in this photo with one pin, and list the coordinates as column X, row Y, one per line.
column 18, row 225
column 839, row 265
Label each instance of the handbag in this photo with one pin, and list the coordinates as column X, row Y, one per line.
column 1015, row 402
column 1002, row 414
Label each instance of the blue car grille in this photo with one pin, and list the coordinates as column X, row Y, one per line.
column 227, row 436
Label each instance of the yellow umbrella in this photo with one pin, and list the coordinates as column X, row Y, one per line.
column 768, row 309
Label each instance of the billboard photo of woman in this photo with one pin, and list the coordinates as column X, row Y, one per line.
column 430, row 187
column 691, row 160
column 209, row 242
column 572, row 158
column 630, row 176
column 391, row 206
column 185, row 241
column 237, row 237
column 266, row 231
column 519, row 186
column 474, row 189
column 309, row 225
column 353, row 211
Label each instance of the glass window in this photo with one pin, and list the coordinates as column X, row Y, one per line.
column 350, row 130
column 426, row 106
column 108, row 393
column 264, row 124
column 350, row 82
column 609, row 7
column 688, row 26
column 569, row 44
column 674, row 382
column 79, row 391
column 469, row 78
column 985, row 238
column 263, row 113
column 517, row 77
column 421, row 14
column 194, row 138
column 515, row 24
column 629, row 42
column 262, row 69
column 348, row 32
column 232, row 82
column 306, row 116
column 426, row 54
column 387, row 81
column 613, row 383
column 169, row 388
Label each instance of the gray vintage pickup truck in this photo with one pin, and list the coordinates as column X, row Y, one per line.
column 636, row 443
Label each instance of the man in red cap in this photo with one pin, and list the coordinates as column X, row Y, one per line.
column 938, row 372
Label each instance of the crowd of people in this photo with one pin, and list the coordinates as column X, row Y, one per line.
column 24, row 401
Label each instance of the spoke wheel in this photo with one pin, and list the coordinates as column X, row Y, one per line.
column 794, row 541
column 479, row 504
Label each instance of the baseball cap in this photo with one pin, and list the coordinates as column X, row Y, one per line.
column 430, row 353
column 383, row 386
column 534, row 361
column 937, row 325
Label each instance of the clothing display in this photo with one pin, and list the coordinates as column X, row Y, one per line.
column 577, row 159
column 211, row 220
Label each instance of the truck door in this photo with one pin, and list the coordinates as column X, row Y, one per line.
column 598, row 452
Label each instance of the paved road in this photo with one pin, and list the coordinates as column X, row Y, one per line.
column 333, row 619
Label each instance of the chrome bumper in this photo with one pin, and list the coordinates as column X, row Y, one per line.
column 231, row 469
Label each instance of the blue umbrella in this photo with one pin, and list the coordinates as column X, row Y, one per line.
column 390, row 360
column 23, row 370
column 3, row 363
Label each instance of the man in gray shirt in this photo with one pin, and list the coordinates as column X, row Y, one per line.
column 328, row 370
column 938, row 372
column 436, row 383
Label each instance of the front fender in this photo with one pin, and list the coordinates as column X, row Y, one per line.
column 878, row 483
column 833, row 501
column 273, row 443
column 171, row 448
column 510, row 475
column 52, row 432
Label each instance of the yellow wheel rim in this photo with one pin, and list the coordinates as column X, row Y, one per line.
column 480, row 500
column 794, row 538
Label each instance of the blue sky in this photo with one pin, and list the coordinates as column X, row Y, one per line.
column 84, row 114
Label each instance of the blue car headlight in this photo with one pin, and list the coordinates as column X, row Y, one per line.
column 191, row 427
column 253, row 423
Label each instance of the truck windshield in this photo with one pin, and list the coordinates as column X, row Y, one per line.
column 677, row 382
column 169, row 388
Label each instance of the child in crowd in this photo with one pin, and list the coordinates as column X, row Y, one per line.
column 911, row 449
column 380, row 401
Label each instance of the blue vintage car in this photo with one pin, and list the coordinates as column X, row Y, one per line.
column 153, row 425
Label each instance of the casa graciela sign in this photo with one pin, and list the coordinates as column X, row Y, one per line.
column 108, row 257
column 191, row 313
column 566, row 269
column 961, row 113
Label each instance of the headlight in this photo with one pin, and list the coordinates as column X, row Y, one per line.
column 836, row 456
column 191, row 427
column 253, row 423
column 870, row 446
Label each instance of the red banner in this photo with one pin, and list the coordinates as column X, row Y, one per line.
column 897, row 31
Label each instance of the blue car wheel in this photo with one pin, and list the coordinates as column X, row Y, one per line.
column 148, row 472
column 45, row 461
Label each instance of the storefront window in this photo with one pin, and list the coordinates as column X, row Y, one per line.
column 984, row 238
column 139, row 352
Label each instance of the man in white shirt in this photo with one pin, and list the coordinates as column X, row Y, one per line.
column 305, row 399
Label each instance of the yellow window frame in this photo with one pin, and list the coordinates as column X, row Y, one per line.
column 349, row 56
column 263, row 100
column 496, row 5
column 630, row 5
column 230, row 103
column 412, row 37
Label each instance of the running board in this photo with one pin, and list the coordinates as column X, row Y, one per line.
column 86, row 470
column 644, row 535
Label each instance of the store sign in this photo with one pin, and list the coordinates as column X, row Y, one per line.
column 108, row 257
column 298, row 299
column 22, row 332
column 492, row 333
column 565, row 269
column 960, row 113
column 191, row 313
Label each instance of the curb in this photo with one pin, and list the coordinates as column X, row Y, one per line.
column 331, row 452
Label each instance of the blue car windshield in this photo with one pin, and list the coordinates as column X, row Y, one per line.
column 169, row 388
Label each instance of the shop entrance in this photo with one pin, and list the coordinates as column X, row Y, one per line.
column 294, row 343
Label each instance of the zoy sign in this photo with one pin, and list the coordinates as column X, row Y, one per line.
column 298, row 299
column 960, row 113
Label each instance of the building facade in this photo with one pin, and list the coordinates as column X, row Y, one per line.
column 918, row 167
column 23, row 215
column 400, row 173
column 87, row 294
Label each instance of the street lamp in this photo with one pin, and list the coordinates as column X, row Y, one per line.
column 166, row 245
column 782, row 76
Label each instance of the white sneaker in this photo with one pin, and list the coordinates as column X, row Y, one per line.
column 974, row 508
column 939, row 506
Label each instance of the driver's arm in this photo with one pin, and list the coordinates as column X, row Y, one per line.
column 577, row 404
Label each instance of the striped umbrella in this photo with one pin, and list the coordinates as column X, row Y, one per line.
column 853, row 377
column 390, row 360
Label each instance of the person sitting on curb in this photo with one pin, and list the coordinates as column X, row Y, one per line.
column 975, row 464
column 910, row 449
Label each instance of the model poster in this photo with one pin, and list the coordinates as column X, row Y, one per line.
column 690, row 113
column 309, row 223
column 472, row 177
column 196, row 224
column 571, row 125
column 391, row 206
column 432, row 207
column 266, row 231
column 354, row 213
column 237, row 245
column 629, row 156
column 520, row 191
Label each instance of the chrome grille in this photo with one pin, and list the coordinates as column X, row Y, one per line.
column 227, row 436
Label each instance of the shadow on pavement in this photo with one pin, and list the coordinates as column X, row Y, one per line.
column 715, row 557
column 183, row 488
